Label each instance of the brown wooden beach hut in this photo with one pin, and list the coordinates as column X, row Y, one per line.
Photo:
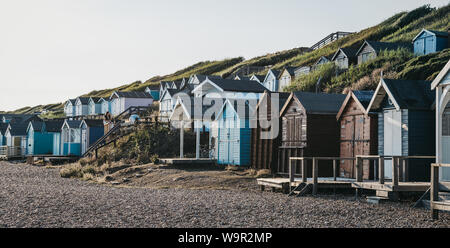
column 359, row 134
column 309, row 129
column 264, row 149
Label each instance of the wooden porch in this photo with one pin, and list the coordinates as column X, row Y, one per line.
column 11, row 152
column 385, row 188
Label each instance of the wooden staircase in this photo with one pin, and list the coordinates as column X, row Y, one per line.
column 119, row 130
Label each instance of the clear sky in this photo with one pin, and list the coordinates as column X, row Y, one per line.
column 52, row 50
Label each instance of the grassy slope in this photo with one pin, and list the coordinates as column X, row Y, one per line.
column 401, row 27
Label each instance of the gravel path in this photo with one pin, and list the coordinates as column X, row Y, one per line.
column 38, row 197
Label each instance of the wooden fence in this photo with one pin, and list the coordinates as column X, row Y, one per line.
column 436, row 186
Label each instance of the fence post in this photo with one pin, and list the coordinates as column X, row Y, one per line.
column 304, row 171
column 395, row 166
column 291, row 171
column 405, row 170
column 334, row 169
column 381, row 169
column 315, row 175
column 434, row 192
column 358, row 169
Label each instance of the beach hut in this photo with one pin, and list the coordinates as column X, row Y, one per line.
column 69, row 108
column 359, row 133
column 430, row 41
column 234, row 133
column 304, row 70
column 266, row 136
column 345, row 57
column 53, row 128
column 121, row 101
column 71, row 138
column 94, row 106
column 153, row 90
column 105, row 105
column 286, row 76
column 271, row 80
column 442, row 86
column 197, row 114
column 39, row 142
column 321, row 61
column 370, row 49
column 309, row 129
column 406, row 124
column 81, row 106
column 91, row 131
column 16, row 137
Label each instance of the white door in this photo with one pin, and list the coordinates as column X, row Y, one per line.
column 392, row 138
column 83, row 141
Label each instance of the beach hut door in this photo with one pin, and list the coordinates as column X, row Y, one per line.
column 392, row 138
column 83, row 141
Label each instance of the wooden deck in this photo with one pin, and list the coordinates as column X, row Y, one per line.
column 322, row 183
column 388, row 186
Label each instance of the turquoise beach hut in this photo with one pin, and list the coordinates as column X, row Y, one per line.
column 71, row 138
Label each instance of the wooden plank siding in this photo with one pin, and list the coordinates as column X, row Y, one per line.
column 264, row 152
column 309, row 135
column 358, row 137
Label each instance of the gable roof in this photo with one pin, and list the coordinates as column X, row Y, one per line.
column 317, row 103
column 433, row 32
column 362, row 99
column 132, row 94
column 54, row 126
column 92, row 123
column 404, row 94
column 282, row 98
column 234, row 85
column 378, row 46
column 71, row 101
column 322, row 57
column 190, row 109
column 21, row 118
column 260, row 78
column 349, row 52
column 289, row 69
column 72, row 123
column 37, row 125
column 83, row 100
column 95, row 99
column 441, row 75
column 18, row 129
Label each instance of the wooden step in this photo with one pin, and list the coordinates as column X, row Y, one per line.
column 376, row 199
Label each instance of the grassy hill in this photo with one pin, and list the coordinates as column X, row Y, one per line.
column 401, row 27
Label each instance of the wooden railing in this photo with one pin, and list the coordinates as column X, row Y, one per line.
column 436, row 186
column 400, row 167
column 315, row 169
column 10, row 151
column 399, row 173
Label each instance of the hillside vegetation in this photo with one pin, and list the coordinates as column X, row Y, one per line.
column 402, row 27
